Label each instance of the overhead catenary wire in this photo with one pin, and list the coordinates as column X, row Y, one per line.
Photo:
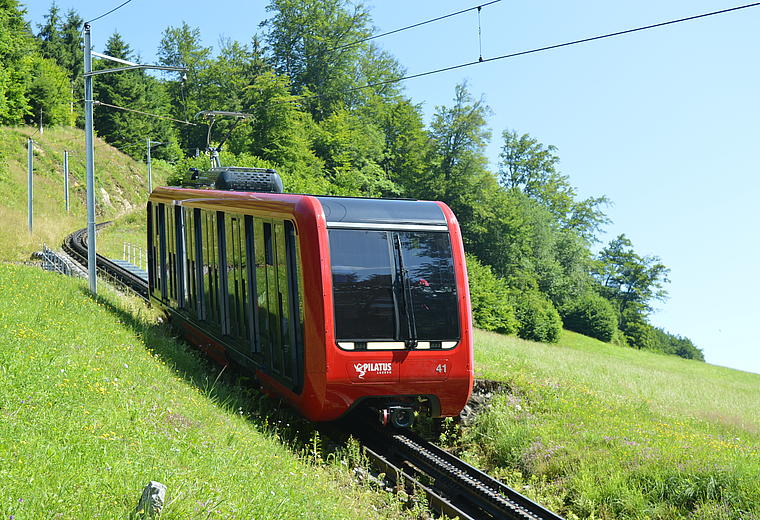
column 100, row 103
column 418, row 24
column 109, row 12
column 552, row 47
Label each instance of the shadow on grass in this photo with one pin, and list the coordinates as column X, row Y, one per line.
column 231, row 388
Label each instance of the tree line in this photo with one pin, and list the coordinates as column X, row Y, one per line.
column 330, row 116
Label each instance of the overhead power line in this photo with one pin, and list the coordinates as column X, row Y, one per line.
column 552, row 47
column 394, row 31
column 109, row 12
column 100, row 103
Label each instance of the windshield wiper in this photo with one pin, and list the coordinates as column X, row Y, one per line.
column 406, row 291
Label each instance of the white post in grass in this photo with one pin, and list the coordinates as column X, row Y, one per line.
column 30, row 157
column 66, row 179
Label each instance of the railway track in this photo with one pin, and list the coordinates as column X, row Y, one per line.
column 75, row 245
column 451, row 486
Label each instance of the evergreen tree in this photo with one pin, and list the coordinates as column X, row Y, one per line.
column 16, row 42
column 135, row 90
column 181, row 47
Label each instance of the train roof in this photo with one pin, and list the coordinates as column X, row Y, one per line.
column 380, row 211
column 338, row 211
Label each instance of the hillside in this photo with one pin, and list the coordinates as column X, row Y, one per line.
column 121, row 187
column 91, row 414
column 596, row 430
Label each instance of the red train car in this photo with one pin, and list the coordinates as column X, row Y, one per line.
column 332, row 303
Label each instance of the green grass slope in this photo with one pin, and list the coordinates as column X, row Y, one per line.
column 121, row 187
column 599, row 431
column 96, row 399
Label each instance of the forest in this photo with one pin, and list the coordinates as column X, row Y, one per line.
column 330, row 114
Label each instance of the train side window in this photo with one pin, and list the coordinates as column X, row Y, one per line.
column 296, row 304
column 238, row 291
column 152, row 243
column 170, row 265
column 224, row 315
column 286, row 352
column 262, row 301
column 161, row 231
column 198, row 228
column 179, row 233
column 210, row 269
column 252, row 310
column 273, row 302
column 191, row 262
column 268, row 243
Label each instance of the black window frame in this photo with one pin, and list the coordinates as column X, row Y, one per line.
column 404, row 323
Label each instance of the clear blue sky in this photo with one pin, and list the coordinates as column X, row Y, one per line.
column 665, row 122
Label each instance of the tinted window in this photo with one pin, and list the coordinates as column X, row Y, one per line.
column 362, row 284
column 393, row 285
column 430, row 277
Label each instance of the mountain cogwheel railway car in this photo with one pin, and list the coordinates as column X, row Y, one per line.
column 331, row 303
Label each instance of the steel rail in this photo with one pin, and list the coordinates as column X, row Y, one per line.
column 76, row 246
column 452, row 486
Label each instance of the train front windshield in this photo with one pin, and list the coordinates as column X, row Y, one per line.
column 393, row 286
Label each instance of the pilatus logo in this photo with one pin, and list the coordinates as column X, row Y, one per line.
column 373, row 368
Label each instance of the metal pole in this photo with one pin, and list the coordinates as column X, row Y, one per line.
column 30, row 156
column 66, row 178
column 90, row 162
column 150, row 178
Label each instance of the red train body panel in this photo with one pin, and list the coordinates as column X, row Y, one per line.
column 286, row 238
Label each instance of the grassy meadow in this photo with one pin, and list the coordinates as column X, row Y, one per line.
column 97, row 398
column 593, row 430
column 124, row 178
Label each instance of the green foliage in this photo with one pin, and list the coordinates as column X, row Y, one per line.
column 314, row 43
column 15, row 44
column 61, row 41
column 591, row 315
column 531, row 167
column 638, row 332
column 181, row 47
column 537, row 317
column 490, row 299
column 629, row 280
column 49, row 92
column 668, row 343
column 407, row 145
column 352, row 149
column 129, row 131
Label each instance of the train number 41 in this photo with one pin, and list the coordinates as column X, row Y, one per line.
column 441, row 369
